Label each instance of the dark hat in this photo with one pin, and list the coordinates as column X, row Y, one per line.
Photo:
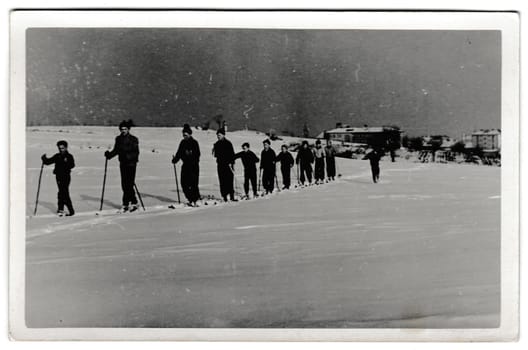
column 187, row 129
column 245, row 144
column 267, row 141
column 62, row 143
column 220, row 131
column 318, row 142
column 304, row 143
column 126, row 124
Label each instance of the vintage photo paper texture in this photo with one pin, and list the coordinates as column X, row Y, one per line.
column 235, row 175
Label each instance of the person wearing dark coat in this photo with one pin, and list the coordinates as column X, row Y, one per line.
column 304, row 160
column 330, row 154
column 286, row 160
column 267, row 164
column 64, row 163
column 249, row 161
column 374, row 157
column 126, row 147
column 319, row 155
column 189, row 153
column 225, row 160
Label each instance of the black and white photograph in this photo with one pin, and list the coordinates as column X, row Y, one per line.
column 264, row 171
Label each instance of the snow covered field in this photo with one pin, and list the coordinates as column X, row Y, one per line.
column 419, row 249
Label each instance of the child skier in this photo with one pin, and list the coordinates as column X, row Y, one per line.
column 304, row 160
column 286, row 160
column 374, row 157
column 330, row 154
column 319, row 154
column 249, row 161
column 267, row 165
column 64, row 163
column 225, row 160
column 189, row 153
column 126, row 147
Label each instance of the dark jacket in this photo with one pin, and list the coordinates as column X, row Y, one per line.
column 330, row 152
column 127, row 148
column 63, row 163
column 224, row 152
column 188, row 151
column 305, row 156
column 286, row 159
column 249, row 159
column 374, row 158
column 267, row 159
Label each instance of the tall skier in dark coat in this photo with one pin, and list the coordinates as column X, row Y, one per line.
column 330, row 154
column 189, row 153
column 249, row 161
column 286, row 160
column 225, row 161
column 374, row 157
column 304, row 159
column 126, row 147
column 64, row 163
column 267, row 164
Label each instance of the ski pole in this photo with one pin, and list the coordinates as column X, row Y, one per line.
column 236, row 185
column 276, row 179
column 260, row 175
column 177, row 186
column 38, row 189
column 139, row 196
column 104, row 183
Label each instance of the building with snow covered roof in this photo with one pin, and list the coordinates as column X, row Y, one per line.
column 380, row 136
column 487, row 140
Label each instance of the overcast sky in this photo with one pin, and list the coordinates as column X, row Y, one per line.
column 426, row 82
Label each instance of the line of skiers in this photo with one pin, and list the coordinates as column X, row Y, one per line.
column 126, row 147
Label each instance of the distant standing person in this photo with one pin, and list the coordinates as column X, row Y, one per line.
column 304, row 159
column 286, row 160
column 225, row 160
column 330, row 154
column 319, row 154
column 249, row 161
column 374, row 157
column 64, row 163
column 189, row 153
column 126, row 147
column 267, row 164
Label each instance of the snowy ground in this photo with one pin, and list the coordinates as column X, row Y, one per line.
column 419, row 249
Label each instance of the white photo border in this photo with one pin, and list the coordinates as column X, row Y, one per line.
column 506, row 22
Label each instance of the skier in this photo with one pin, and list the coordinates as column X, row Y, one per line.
column 225, row 161
column 64, row 162
column 374, row 157
column 330, row 154
column 286, row 160
column 189, row 153
column 126, row 147
column 304, row 159
column 249, row 161
column 319, row 154
column 267, row 164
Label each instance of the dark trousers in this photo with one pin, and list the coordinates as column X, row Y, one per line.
column 128, row 179
column 225, row 177
column 189, row 180
column 375, row 172
column 319, row 169
column 286, row 181
column 268, row 179
column 250, row 176
column 330, row 168
column 306, row 172
column 63, row 196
